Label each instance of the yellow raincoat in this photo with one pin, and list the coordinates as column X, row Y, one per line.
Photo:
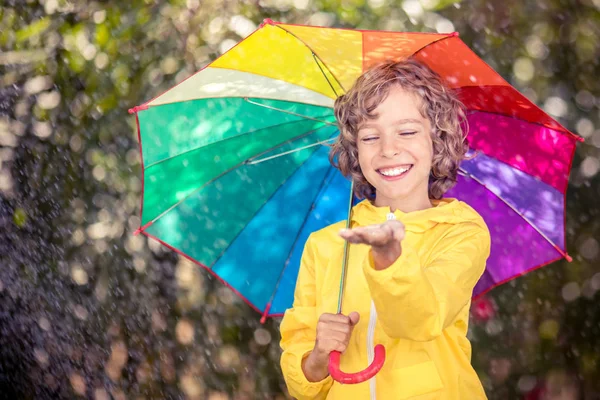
column 418, row 308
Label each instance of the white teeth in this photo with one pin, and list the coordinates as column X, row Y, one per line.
column 394, row 171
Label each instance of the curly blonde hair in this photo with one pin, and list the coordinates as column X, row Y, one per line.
column 438, row 103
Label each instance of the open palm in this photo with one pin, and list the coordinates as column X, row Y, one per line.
column 385, row 240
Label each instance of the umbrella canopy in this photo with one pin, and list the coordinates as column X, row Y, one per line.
column 236, row 176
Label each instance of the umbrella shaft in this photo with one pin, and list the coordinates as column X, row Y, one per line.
column 346, row 250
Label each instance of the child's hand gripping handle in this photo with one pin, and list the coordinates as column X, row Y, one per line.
column 356, row 377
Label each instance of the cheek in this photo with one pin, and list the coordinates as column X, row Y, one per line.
column 363, row 158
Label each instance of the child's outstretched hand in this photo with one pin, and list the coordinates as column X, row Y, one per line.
column 384, row 240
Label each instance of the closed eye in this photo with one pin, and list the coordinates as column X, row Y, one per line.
column 407, row 133
column 369, row 139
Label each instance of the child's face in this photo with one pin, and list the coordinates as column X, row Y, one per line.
column 395, row 150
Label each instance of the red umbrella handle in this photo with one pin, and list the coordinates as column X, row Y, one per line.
column 357, row 377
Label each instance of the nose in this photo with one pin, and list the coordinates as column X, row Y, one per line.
column 389, row 148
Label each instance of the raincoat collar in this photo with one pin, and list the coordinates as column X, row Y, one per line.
column 446, row 210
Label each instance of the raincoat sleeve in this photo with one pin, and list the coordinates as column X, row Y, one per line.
column 298, row 332
column 417, row 302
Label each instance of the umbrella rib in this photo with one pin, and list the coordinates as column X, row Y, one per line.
column 249, row 162
column 224, row 140
column 317, row 59
column 257, row 211
column 448, row 36
column 288, row 112
column 519, row 213
column 256, row 95
column 566, row 132
column 145, row 226
column 324, row 184
column 508, row 85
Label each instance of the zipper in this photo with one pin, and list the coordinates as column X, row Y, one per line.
column 371, row 346
column 371, row 332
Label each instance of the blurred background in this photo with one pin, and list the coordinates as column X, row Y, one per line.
column 89, row 310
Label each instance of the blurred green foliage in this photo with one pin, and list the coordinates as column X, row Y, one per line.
column 87, row 309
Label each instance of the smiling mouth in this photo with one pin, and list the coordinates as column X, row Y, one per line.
column 394, row 172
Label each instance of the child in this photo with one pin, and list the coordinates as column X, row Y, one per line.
column 415, row 256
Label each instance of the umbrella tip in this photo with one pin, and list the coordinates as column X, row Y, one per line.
column 454, row 34
column 267, row 21
column 138, row 108
column 568, row 257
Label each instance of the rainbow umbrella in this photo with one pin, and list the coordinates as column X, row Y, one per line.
column 236, row 174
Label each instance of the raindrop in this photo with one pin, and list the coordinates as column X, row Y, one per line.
column 589, row 248
column 101, row 394
column 494, row 327
column 584, row 127
column 119, row 355
column 99, row 16
column 595, row 281
column 549, row 329
column 262, row 336
column 412, row 8
column 587, row 290
column 41, row 356
column 228, row 357
column 48, row 101
column 590, row 166
column 42, row 129
column 191, row 386
column 585, row 99
column 536, row 47
column 37, row 84
column 444, row 25
column 78, row 383
column 226, row 45
column 556, row 106
column 321, row 19
column 526, row 383
column 216, row 25
column 241, row 25
column 79, row 275
column 158, row 321
column 80, row 312
column 571, row 291
column 523, row 69
column 139, row 264
column 184, row 332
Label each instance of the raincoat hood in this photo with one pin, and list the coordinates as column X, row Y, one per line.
column 444, row 211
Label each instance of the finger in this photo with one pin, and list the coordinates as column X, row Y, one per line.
column 329, row 327
column 398, row 231
column 350, row 235
column 354, row 318
column 375, row 236
column 334, row 345
column 365, row 235
column 341, row 347
column 335, row 318
column 330, row 343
